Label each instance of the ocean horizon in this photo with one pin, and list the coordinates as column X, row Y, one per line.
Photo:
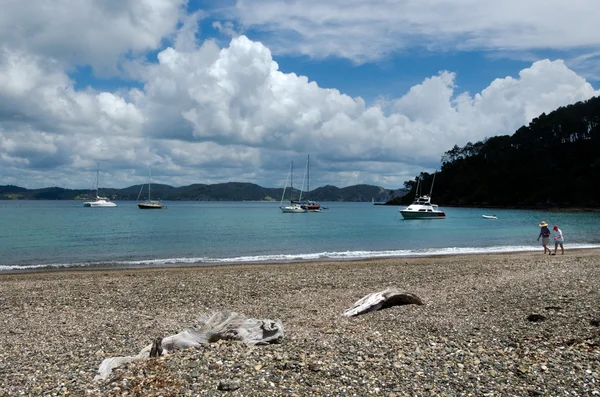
column 43, row 235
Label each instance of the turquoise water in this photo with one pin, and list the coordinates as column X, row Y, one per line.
column 36, row 234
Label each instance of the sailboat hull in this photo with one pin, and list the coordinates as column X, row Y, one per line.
column 99, row 203
column 292, row 209
column 150, row 206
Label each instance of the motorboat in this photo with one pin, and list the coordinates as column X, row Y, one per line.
column 421, row 207
column 99, row 201
column 489, row 216
column 149, row 204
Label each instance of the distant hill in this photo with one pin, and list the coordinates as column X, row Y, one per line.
column 231, row 191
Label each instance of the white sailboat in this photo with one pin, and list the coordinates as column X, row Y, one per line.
column 149, row 204
column 100, row 201
column 308, row 205
column 292, row 208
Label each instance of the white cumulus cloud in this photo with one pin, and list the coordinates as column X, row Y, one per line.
column 201, row 112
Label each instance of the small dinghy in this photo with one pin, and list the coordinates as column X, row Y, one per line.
column 489, row 217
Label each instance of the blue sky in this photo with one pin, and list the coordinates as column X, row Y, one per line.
column 209, row 92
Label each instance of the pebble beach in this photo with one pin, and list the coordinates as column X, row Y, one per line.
column 522, row 324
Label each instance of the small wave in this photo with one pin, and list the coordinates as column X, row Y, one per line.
column 282, row 258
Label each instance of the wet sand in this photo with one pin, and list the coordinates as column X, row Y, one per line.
column 503, row 324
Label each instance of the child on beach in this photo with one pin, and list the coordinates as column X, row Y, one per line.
column 545, row 235
column 558, row 239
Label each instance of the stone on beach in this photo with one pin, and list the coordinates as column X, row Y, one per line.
column 382, row 300
column 222, row 325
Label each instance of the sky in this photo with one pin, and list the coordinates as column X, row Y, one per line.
column 234, row 90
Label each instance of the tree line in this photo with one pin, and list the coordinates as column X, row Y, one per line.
column 553, row 162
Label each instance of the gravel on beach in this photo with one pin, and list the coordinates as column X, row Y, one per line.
column 516, row 324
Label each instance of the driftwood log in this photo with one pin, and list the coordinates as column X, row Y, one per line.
column 382, row 300
column 221, row 325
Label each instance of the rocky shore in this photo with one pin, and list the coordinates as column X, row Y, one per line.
column 521, row 324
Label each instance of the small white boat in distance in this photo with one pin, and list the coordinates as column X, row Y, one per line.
column 421, row 208
column 489, row 216
column 100, row 201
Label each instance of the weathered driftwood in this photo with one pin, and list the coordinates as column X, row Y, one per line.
column 221, row 325
column 382, row 300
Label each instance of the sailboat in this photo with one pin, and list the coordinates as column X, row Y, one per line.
column 149, row 204
column 308, row 205
column 293, row 208
column 100, row 201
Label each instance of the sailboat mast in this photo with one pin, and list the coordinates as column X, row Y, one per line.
column 308, row 174
column 417, row 187
column 149, row 168
column 303, row 180
column 431, row 189
column 288, row 178
column 98, row 179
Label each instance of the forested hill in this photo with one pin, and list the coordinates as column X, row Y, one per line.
column 552, row 162
column 231, row 191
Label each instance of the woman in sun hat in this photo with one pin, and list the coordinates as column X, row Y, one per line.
column 558, row 239
column 545, row 235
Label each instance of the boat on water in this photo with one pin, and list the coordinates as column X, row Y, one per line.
column 309, row 205
column 99, row 201
column 293, row 207
column 421, row 207
column 149, row 204
column 489, row 216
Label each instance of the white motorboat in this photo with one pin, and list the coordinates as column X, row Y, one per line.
column 99, row 201
column 149, row 204
column 489, row 216
column 421, row 207
column 294, row 207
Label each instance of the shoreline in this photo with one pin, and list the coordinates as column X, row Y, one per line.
column 472, row 336
column 294, row 259
column 507, row 207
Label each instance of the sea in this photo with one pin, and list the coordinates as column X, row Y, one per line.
column 43, row 235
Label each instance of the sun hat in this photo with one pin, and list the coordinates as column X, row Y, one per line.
column 543, row 223
column 555, row 227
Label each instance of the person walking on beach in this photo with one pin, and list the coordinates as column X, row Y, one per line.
column 545, row 235
column 558, row 239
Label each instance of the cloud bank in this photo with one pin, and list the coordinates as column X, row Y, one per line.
column 366, row 30
column 205, row 113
